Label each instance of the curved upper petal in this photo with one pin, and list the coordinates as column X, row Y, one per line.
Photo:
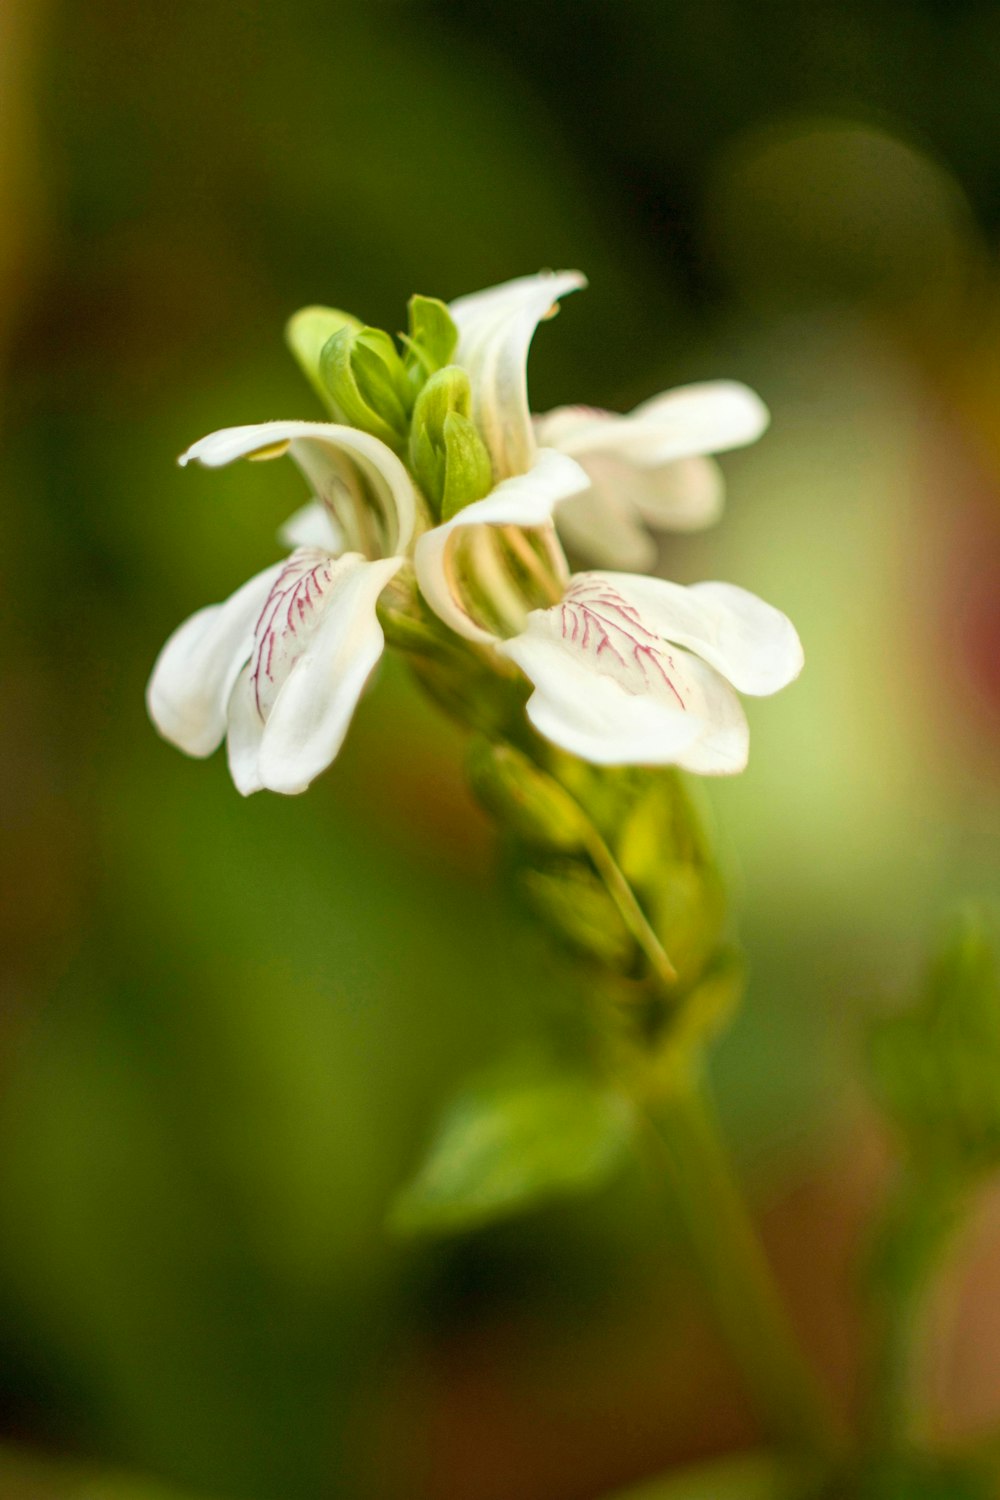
column 609, row 690
column 525, row 500
column 495, row 329
column 321, row 450
column 194, row 673
column 750, row 642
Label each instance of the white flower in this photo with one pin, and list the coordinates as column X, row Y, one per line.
column 278, row 669
column 634, row 670
column 650, row 470
column 626, row 669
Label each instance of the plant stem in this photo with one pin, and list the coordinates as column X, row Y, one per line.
column 737, row 1279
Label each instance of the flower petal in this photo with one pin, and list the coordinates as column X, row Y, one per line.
column 194, row 673
column 711, row 417
column 322, row 450
column 525, row 500
column 312, row 712
column 495, row 331
column 601, row 526
column 312, row 525
column 685, row 495
column 607, row 689
column 694, row 419
column 605, row 524
column 243, row 736
column 753, row 644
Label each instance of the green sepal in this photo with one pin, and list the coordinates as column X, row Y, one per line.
column 518, row 1137
column 366, row 381
column 524, row 801
column 432, row 339
column 306, row 332
column 448, row 457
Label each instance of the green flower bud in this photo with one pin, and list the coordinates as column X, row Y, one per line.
column 524, row 801
column 936, row 1067
column 366, row 381
column 305, row 334
column 432, row 340
column 447, row 455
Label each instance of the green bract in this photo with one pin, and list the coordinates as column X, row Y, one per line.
column 432, row 339
column 447, row 455
column 367, row 382
column 524, row 800
column 306, row 332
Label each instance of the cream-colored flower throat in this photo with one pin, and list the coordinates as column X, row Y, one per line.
column 439, row 501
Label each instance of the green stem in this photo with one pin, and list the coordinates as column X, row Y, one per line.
column 737, row 1279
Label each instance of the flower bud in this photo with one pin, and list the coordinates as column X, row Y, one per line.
column 432, row 339
column 523, row 800
column 366, row 381
column 447, row 455
column 306, row 332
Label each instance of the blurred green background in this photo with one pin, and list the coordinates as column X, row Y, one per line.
column 227, row 1026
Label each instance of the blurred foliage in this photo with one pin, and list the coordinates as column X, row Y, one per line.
column 936, row 1065
column 528, row 1132
column 228, row 1027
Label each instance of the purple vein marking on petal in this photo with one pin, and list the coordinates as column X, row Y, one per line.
column 595, row 618
column 296, row 593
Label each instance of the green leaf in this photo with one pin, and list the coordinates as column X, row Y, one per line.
column 306, row 332
column 515, row 1139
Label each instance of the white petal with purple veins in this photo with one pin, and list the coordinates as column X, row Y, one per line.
column 753, row 644
column 609, row 689
column 495, row 331
column 313, row 710
column 316, row 641
column 194, row 673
